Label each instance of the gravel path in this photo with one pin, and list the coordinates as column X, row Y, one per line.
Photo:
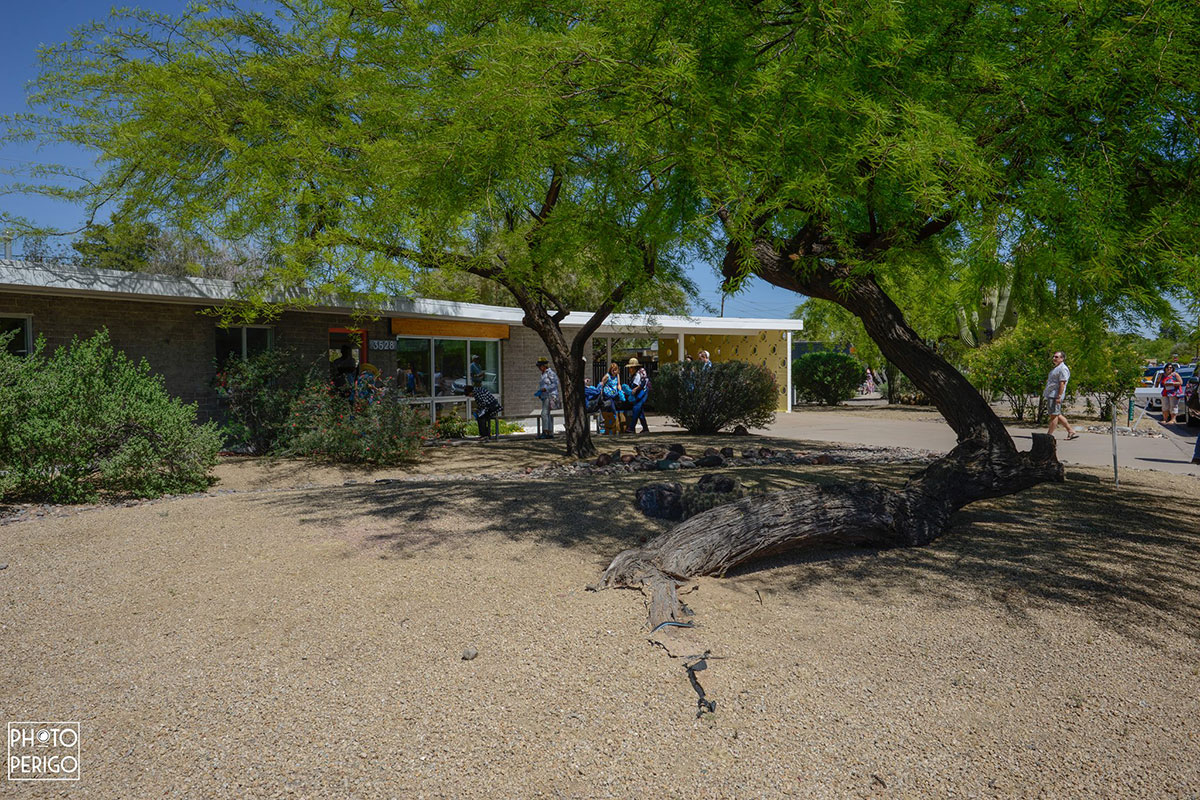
column 308, row 643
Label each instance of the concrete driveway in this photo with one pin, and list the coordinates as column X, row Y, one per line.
column 855, row 423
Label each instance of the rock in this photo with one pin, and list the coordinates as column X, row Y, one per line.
column 603, row 460
column 344, row 483
column 740, row 430
column 668, row 463
column 749, row 453
column 728, row 452
column 716, row 482
column 711, row 451
column 823, row 459
column 766, row 452
column 661, row 500
column 628, row 458
column 469, row 654
column 3, row 566
column 710, row 461
column 677, row 448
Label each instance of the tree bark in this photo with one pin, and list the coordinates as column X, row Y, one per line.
column 985, row 463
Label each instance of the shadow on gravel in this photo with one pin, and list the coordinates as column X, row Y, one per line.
column 1123, row 557
column 1126, row 558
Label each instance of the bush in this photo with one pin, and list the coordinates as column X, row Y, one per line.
column 86, row 421
column 260, row 391
column 1109, row 371
column 1014, row 366
column 326, row 426
column 709, row 399
column 452, row 426
column 827, row 377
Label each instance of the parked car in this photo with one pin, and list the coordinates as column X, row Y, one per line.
column 1191, row 402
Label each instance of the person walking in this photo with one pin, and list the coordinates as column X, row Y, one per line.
column 547, row 392
column 1172, row 393
column 1056, row 390
column 640, row 384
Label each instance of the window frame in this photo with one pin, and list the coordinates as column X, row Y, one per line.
column 28, row 320
column 270, row 329
column 434, row 401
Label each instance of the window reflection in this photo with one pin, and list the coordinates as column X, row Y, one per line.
column 412, row 362
column 450, row 367
column 484, row 366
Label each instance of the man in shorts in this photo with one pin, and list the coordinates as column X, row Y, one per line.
column 1056, row 390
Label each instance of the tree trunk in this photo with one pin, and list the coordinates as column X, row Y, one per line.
column 568, row 364
column 984, row 464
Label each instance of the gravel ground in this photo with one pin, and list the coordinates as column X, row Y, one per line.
column 277, row 642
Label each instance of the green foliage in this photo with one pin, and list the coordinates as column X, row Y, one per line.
column 1109, row 371
column 453, row 426
column 827, row 377
column 1016, row 365
column 86, row 421
column 119, row 245
column 325, row 426
column 710, row 399
column 259, row 392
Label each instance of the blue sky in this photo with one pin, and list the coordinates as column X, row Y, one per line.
column 30, row 25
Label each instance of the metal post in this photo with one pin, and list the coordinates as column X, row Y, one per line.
column 787, row 367
column 1116, row 476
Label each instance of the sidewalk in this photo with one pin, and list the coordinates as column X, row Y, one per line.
column 928, row 431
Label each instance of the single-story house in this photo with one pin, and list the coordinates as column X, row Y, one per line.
column 441, row 344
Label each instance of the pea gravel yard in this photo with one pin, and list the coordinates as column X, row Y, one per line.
column 268, row 641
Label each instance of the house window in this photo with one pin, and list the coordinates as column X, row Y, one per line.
column 243, row 341
column 21, row 329
column 435, row 371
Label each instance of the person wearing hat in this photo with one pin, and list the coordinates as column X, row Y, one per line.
column 547, row 392
column 641, row 390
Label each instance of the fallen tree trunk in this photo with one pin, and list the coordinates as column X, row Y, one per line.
column 816, row 517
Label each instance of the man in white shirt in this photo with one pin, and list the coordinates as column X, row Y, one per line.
column 1056, row 390
column 547, row 392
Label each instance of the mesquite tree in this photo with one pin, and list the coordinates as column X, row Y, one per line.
column 364, row 142
column 843, row 143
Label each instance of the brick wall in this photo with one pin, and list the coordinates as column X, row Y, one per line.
column 178, row 340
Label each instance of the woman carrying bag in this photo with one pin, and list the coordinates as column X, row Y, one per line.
column 1172, row 391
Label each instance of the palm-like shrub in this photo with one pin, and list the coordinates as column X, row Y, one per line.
column 827, row 377
column 86, row 421
column 708, row 399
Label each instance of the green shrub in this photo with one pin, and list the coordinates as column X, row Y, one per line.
column 86, row 421
column 452, row 426
column 259, row 392
column 1109, row 371
column 709, row 399
column 326, row 426
column 827, row 377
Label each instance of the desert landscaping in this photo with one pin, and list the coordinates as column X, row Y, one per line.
column 300, row 631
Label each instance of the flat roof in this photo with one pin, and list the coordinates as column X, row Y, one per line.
column 50, row 279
